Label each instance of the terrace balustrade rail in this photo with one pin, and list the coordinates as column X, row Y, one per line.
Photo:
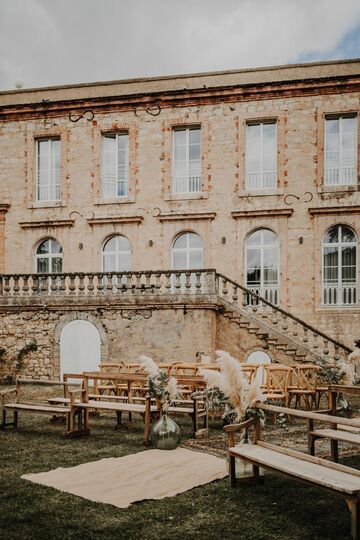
column 173, row 282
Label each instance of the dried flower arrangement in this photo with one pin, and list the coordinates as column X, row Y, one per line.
column 231, row 387
column 162, row 387
column 338, row 371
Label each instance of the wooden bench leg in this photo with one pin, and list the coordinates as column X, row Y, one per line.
column 232, row 472
column 147, row 416
column 16, row 419
column 334, row 450
column 311, row 445
column 354, row 508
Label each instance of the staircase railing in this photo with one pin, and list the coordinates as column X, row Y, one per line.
column 283, row 321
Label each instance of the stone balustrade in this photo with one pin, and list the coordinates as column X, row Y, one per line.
column 173, row 282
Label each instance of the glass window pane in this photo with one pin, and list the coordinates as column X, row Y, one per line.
column 124, row 262
column 180, row 136
column 331, row 257
column 270, row 276
column 180, row 241
column 179, row 260
column 348, row 256
column 194, row 136
column 332, row 235
column 194, row 152
column 123, row 243
column 195, row 241
column 196, row 259
column 269, row 237
column 332, row 125
column 44, row 247
column 347, row 234
column 349, row 274
column 110, row 244
column 43, row 265
column 109, row 262
column 270, row 257
column 55, row 247
column 348, row 124
column 254, row 258
column 56, row 265
column 254, row 238
column 253, row 276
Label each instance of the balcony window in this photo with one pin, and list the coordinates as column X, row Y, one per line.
column 340, row 151
column 48, row 170
column 261, row 156
column 262, row 265
column 339, row 267
column 186, row 160
column 49, row 257
column 116, row 254
column 115, row 165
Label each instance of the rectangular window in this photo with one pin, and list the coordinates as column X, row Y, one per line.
column 186, row 160
column 48, row 170
column 115, row 165
column 340, row 150
column 261, row 155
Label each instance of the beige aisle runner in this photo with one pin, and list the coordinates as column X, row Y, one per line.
column 151, row 474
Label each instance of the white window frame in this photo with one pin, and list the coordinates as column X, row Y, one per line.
column 340, row 167
column 53, row 184
column 339, row 285
column 187, row 250
column 187, row 184
column 269, row 292
column 104, row 183
column 263, row 186
column 117, row 252
column 50, row 256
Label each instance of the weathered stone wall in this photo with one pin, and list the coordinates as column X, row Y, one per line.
column 163, row 334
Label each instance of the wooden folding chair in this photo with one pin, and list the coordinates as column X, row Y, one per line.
column 277, row 379
column 306, row 376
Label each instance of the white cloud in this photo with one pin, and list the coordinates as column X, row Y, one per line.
column 58, row 42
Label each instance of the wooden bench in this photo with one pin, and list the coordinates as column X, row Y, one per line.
column 196, row 407
column 343, row 432
column 344, row 481
column 74, row 417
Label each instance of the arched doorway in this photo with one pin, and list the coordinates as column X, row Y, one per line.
column 259, row 358
column 79, row 347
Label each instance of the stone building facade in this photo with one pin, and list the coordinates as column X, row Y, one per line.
column 254, row 173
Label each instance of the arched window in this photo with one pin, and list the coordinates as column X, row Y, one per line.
column 262, row 264
column 116, row 254
column 339, row 266
column 187, row 252
column 49, row 257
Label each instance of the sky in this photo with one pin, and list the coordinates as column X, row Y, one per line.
column 57, row 42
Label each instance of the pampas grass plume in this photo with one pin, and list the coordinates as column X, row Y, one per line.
column 149, row 365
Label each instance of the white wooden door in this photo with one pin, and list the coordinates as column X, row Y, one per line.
column 79, row 347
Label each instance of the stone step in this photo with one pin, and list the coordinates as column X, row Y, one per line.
column 244, row 324
column 281, row 346
column 253, row 329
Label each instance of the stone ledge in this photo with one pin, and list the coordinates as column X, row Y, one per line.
column 46, row 223
column 270, row 212
column 328, row 210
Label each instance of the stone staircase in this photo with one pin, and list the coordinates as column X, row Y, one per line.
column 285, row 335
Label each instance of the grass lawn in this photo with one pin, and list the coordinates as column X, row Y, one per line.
column 278, row 509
